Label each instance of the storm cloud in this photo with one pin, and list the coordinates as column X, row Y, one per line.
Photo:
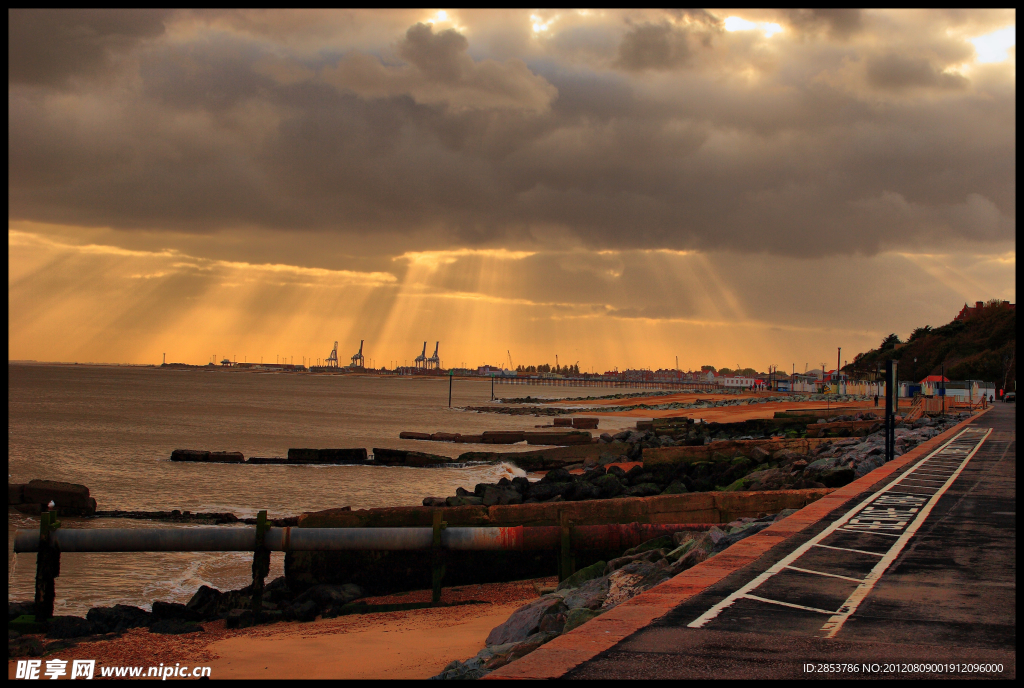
column 346, row 139
column 720, row 141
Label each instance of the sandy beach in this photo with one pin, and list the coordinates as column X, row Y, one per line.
column 724, row 414
column 414, row 644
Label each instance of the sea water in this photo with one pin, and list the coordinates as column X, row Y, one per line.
column 113, row 429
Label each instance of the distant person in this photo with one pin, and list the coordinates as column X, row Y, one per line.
column 876, row 401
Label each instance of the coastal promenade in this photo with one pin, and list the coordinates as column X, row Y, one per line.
column 909, row 571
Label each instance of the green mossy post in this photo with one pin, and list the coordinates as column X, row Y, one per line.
column 437, row 556
column 260, row 565
column 47, row 566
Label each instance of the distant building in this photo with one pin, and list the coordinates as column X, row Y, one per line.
column 970, row 311
column 734, row 381
column 292, row 367
column 494, row 371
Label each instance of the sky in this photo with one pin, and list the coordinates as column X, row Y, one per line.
column 617, row 188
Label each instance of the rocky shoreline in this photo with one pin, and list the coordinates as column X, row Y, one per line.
column 735, row 466
column 594, row 590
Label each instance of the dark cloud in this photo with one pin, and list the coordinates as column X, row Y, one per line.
column 653, row 46
column 440, row 56
column 736, row 143
column 51, row 46
column 838, row 22
column 892, row 71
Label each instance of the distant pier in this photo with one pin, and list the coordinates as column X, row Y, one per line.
column 687, row 385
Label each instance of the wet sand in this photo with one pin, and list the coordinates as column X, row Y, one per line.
column 415, row 644
column 733, row 414
column 723, row 414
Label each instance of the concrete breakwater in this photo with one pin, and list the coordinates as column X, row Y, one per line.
column 333, row 457
column 567, row 437
column 69, row 499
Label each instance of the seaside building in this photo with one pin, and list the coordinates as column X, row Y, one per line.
column 970, row 311
column 734, row 381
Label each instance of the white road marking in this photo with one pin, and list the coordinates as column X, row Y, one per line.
column 788, row 604
column 865, row 530
column 822, row 573
column 834, row 624
column 837, row 525
column 847, row 549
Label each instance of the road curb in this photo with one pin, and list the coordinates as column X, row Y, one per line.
column 572, row 649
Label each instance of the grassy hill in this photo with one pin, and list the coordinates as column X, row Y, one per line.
column 979, row 348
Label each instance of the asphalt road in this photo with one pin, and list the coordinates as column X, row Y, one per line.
column 916, row 577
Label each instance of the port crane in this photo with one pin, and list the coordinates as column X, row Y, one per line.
column 357, row 359
column 420, row 361
column 332, row 360
column 510, row 366
column 434, row 362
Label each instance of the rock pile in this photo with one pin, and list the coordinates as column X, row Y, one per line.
column 592, row 591
column 280, row 603
column 829, row 464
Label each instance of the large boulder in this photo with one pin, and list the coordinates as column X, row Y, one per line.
column 468, row 500
column 500, row 495
column 525, row 621
column 675, row 487
column 633, row 579
column 543, row 491
column 173, row 610
column 118, row 618
column 582, row 576
column 584, row 490
column 590, row 595
column 206, row 602
column 651, row 556
column 608, row 485
column 662, row 542
column 61, row 627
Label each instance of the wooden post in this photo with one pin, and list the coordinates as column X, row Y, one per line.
column 437, row 555
column 565, row 561
column 47, row 566
column 260, row 565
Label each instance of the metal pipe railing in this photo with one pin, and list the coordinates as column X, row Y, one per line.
column 50, row 541
column 219, row 539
